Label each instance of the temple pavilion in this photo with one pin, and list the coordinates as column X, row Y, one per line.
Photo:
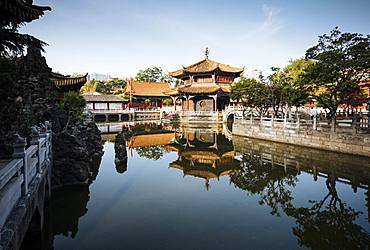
column 205, row 85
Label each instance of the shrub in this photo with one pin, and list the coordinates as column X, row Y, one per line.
column 167, row 102
column 73, row 103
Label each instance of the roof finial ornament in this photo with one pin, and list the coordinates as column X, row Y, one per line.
column 206, row 52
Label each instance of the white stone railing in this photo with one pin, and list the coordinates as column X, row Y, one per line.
column 110, row 111
column 234, row 108
column 27, row 164
column 314, row 123
column 200, row 113
column 148, row 110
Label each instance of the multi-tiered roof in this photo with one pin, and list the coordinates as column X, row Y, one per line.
column 206, row 76
column 207, row 66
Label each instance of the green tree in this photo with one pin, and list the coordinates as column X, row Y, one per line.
column 73, row 103
column 113, row 86
column 287, row 87
column 254, row 94
column 153, row 74
column 341, row 62
column 276, row 85
column 89, row 87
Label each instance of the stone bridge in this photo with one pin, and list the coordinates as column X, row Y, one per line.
column 232, row 111
column 25, row 187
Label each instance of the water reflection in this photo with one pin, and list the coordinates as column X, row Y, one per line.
column 120, row 154
column 320, row 198
column 68, row 205
column 271, row 169
column 271, row 183
column 204, row 155
column 328, row 223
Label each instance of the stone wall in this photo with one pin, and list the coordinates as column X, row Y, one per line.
column 201, row 117
column 351, row 143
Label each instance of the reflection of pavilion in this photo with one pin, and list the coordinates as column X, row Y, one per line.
column 204, row 155
column 150, row 140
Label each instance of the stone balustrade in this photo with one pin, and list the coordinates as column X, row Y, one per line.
column 346, row 136
column 20, row 180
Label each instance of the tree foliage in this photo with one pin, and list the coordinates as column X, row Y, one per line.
column 89, row 87
column 282, row 88
column 253, row 93
column 287, row 87
column 341, row 63
column 73, row 103
column 153, row 74
column 114, row 86
column 12, row 43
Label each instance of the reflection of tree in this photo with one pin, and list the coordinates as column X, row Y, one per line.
column 151, row 152
column 328, row 224
column 271, row 183
column 67, row 206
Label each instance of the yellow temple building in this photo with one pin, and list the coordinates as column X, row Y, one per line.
column 204, row 88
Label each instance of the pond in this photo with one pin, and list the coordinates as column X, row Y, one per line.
column 193, row 188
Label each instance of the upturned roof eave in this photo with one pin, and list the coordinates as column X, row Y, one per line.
column 216, row 66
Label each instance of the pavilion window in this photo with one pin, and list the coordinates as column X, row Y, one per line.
column 101, row 106
column 203, row 79
column 115, row 106
column 224, row 79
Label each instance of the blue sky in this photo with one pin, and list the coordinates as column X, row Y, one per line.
column 120, row 37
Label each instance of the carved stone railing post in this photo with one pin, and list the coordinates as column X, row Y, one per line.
column 298, row 121
column 35, row 140
column 315, row 122
column 49, row 144
column 261, row 120
column 44, row 134
column 354, row 124
column 333, row 125
column 285, row 119
column 19, row 152
column 272, row 120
